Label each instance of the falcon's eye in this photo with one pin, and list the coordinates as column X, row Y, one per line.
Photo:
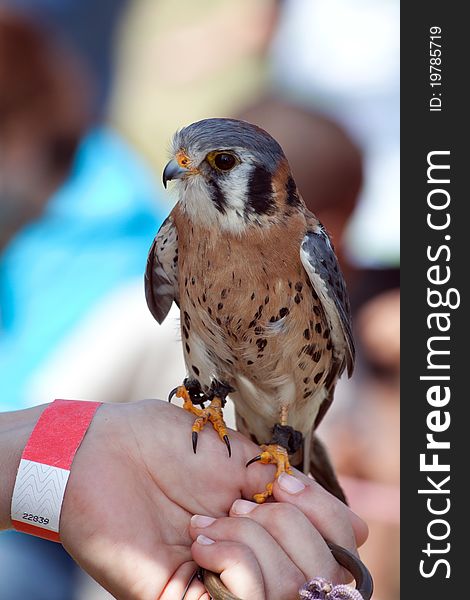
column 224, row 161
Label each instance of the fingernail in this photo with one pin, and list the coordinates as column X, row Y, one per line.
column 243, row 507
column 290, row 484
column 204, row 541
column 201, row 521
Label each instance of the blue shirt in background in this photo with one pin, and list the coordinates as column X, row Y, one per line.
column 93, row 236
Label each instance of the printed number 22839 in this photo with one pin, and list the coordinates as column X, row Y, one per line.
column 35, row 519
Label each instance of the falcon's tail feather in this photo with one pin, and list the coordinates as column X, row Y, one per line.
column 322, row 469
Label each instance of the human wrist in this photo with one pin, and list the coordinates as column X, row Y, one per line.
column 15, row 429
column 45, row 465
column 102, row 441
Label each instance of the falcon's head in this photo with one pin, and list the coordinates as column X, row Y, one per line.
column 231, row 174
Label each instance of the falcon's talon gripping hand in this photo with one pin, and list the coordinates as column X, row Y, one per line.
column 271, row 454
column 194, row 390
column 212, row 413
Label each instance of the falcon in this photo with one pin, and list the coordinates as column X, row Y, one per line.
column 265, row 315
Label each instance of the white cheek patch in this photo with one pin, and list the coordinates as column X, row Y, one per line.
column 197, row 201
column 234, row 187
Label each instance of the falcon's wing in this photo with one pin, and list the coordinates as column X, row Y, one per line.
column 161, row 275
column 320, row 262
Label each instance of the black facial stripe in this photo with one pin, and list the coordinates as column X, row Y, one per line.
column 291, row 191
column 218, row 197
column 260, row 192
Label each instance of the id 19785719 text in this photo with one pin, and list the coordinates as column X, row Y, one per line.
column 435, row 68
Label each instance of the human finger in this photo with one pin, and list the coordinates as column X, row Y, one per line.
column 184, row 582
column 281, row 577
column 296, row 535
column 238, row 567
column 332, row 518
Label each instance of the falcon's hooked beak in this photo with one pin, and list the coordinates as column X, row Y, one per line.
column 173, row 171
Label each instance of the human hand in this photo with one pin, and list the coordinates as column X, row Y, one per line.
column 270, row 550
column 134, row 485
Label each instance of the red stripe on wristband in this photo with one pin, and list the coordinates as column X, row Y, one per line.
column 59, row 432
column 45, row 466
column 45, row 534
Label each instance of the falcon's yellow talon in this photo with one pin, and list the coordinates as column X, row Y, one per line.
column 212, row 413
column 266, row 458
column 272, row 454
column 182, row 392
column 263, row 496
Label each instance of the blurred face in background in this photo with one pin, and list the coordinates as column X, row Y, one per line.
column 43, row 113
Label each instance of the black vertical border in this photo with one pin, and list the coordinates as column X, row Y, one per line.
column 423, row 131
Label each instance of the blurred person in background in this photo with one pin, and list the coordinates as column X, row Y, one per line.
column 78, row 211
column 88, row 29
